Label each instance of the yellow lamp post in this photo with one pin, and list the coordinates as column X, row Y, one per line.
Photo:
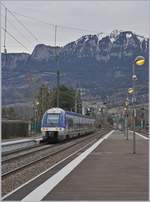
column 139, row 61
column 126, row 116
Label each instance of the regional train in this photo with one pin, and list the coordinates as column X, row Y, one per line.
column 58, row 124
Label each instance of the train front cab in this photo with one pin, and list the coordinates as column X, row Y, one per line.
column 53, row 127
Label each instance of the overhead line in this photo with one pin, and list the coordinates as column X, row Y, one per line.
column 32, row 18
column 12, row 13
column 14, row 38
column 24, row 26
column 17, row 29
column 51, row 24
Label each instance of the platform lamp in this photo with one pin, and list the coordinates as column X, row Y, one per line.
column 139, row 61
column 126, row 116
column 36, row 114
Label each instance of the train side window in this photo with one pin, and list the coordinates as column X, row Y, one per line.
column 70, row 123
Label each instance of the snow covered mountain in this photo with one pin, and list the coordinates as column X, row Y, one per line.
column 103, row 46
column 100, row 63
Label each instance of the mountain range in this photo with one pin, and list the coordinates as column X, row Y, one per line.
column 100, row 64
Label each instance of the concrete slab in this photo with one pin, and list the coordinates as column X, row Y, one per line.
column 111, row 172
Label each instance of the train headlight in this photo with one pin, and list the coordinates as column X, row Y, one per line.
column 45, row 129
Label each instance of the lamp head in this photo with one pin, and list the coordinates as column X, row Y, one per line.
column 37, row 103
column 130, row 90
column 125, row 109
column 126, row 103
column 139, row 60
column 134, row 77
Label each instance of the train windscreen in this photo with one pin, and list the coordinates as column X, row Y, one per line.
column 53, row 120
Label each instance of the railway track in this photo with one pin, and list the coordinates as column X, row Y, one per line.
column 60, row 148
column 8, row 157
column 23, row 152
column 7, row 153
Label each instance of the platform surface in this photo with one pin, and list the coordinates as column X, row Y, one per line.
column 20, row 139
column 110, row 172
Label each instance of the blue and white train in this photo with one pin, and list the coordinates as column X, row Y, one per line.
column 58, row 124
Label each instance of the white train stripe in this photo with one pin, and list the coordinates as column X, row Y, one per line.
column 40, row 192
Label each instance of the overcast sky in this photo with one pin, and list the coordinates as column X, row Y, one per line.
column 90, row 16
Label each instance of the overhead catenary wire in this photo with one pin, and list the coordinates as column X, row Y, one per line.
column 47, row 23
column 14, row 38
column 15, row 14
column 51, row 24
column 25, row 27
column 58, row 25
column 30, row 32
column 15, row 27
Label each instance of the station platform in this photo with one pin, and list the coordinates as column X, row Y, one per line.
column 106, row 171
column 19, row 143
column 17, row 139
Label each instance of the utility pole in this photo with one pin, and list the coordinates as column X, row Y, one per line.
column 58, row 72
column 5, row 50
column 76, row 95
column 58, row 81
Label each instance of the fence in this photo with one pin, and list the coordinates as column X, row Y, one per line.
column 14, row 128
column 19, row 128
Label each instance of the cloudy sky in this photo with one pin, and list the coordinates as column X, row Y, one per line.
column 32, row 22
